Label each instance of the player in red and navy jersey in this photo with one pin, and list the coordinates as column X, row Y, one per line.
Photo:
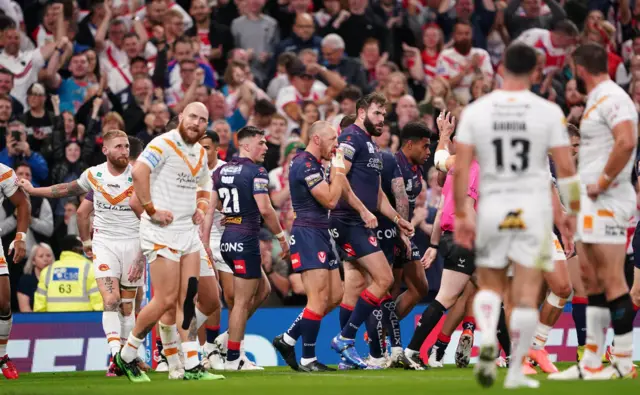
column 242, row 187
column 352, row 221
column 311, row 252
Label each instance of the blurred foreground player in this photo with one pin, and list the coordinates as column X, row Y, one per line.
column 510, row 132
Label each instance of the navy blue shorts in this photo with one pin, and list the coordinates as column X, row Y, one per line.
column 636, row 246
column 353, row 241
column 311, row 249
column 242, row 253
column 388, row 241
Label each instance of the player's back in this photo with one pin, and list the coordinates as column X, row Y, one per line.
column 607, row 105
column 113, row 215
column 305, row 172
column 236, row 183
column 364, row 176
column 412, row 176
column 512, row 133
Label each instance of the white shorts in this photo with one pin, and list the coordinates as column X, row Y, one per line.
column 4, row 267
column 206, row 268
column 218, row 262
column 605, row 221
column 156, row 241
column 557, row 254
column 114, row 258
column 522, row 235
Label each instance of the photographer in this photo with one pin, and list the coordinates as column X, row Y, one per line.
column 18, row 150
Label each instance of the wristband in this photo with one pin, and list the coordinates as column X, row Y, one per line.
column 396, row 219
column 280, row 236
column 434, row 246
column 149, row 209
column 86, row 243
column 604, row 181
column 203, row 204
column 569, row 190
column 20, row 236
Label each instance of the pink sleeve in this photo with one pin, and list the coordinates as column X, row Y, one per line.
column 474, row 175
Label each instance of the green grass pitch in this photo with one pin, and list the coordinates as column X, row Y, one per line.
column 280, row 381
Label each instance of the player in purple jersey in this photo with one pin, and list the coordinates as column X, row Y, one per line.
column 311, row 252
column 241, row 186
column 352, row 221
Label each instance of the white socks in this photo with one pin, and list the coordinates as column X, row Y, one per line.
column 190, row 351
column 130, row 350
column 523, row 325
column 541, row 336
column 5, row 331
column 170, row 341
column 486, row 308
column 598, row 319
column 623, row 349
column 111, row 327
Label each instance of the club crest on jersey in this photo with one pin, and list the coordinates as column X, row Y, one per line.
column 373, row 241
column 103, row 267
column 513, row 221
column 322, row 256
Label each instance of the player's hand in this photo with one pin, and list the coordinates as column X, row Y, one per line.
column 207, row 249
column 285, row 249
column 337, row 160
column 198, row 217
column 464, row 232
column 446, row 124
column 19, row 249
column 406, row 228
column 593, row 191
column 428, row 257
column 26, row 185
column 407, row 246
column 137, row 269
column 162, row 217
column 88, row 249
column 370, row 220
column 569, row 230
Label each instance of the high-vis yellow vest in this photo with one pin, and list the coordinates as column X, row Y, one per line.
column 68, row 285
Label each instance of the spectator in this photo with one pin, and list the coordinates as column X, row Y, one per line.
column 347, row 101
column 6, row 86
column 68, row 292
column 460, row 64
column 573, row 103
column 259, row 34
column 183, row 50
column 226, row 150
column 275, row 137
column 173, row 26
column 133, row 71
column 155, row 122
column 74, row 91
column 531, row 17
column 263, row 112
column 215, row 38
column 479, row 87
column 65, row 225
column 66, row 132
column 41, row 226
column 349, row 68
column 371, row 58
column 38, row 121
column 359, row 24
column 395, row 89
column 5, row 116
column 40, row 257
column 18, row 150
column 554, row 43
column 327, row 14
column 303, row 37
column 279, row 183
column 407, row 111
column 433, row 42
column 240, row 94
column 310, row 114
column 383, row 71
column 87, row 27
column 191, row 76
column 281, row 79
column 140, row 103
column 627, row 71
column 93, row 66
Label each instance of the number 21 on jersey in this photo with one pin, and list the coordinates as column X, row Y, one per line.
column 230, row 201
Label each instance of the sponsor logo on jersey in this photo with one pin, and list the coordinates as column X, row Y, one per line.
column 228, row 179
column 231, row 170
column 260, row 185
column 313, row 179
column 240, row 266
column 295, row 261
column 348, row 150
column 513, row 221
column 373, row 241
column 150, row 156
column 103, row 267
column 114, row 186
column 348, row 249
column 233, row 220
column 322, row 256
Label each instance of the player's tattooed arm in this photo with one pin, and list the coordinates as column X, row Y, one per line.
column 63, row 190
column 400, row 195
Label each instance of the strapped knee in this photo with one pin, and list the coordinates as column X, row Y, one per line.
column 189, row 307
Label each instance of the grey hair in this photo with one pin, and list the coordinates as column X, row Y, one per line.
column 333, row 40
column 28, row 267
column 220, row 122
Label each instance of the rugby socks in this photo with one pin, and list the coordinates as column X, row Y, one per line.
column 622, row 315
column 233, row 351
column 309, row 326
column 503, row 333
column 367, row 302
column 201, row 318
column 170, row 342
column 391, row 321
column 441, row 345
column 523, row 326
column 374, row 331
column 126, row 326
column 212, row 332
column 486, row 309
column 345, row 314
column 579, row 314
column 111, row 327
column 5, row 331
column 190, row 352
column 540, row 336
column 130, row 350
column 598, row 317
column 292, row 334
column 469, row 323
column 430, row 317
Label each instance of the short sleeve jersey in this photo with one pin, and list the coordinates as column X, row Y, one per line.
column 236, row 184
column 306, row 173
column 412, row 175
column 390, row 171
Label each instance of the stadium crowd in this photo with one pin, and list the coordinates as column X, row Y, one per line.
column 70, row 70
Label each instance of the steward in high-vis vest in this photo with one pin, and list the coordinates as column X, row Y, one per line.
column 69, row 284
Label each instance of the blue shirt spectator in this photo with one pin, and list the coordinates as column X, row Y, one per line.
column 18, row 150
column 74, row 90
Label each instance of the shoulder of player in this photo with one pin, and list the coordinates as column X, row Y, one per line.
column 6, row 172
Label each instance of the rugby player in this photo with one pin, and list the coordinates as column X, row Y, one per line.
column 128, row 305
column 241, row 187
column 352, row 221
column 118, row 260
column 172, row 173
column 9, row 189
column 311, row 251
column 609, row 137
column 508, row 134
